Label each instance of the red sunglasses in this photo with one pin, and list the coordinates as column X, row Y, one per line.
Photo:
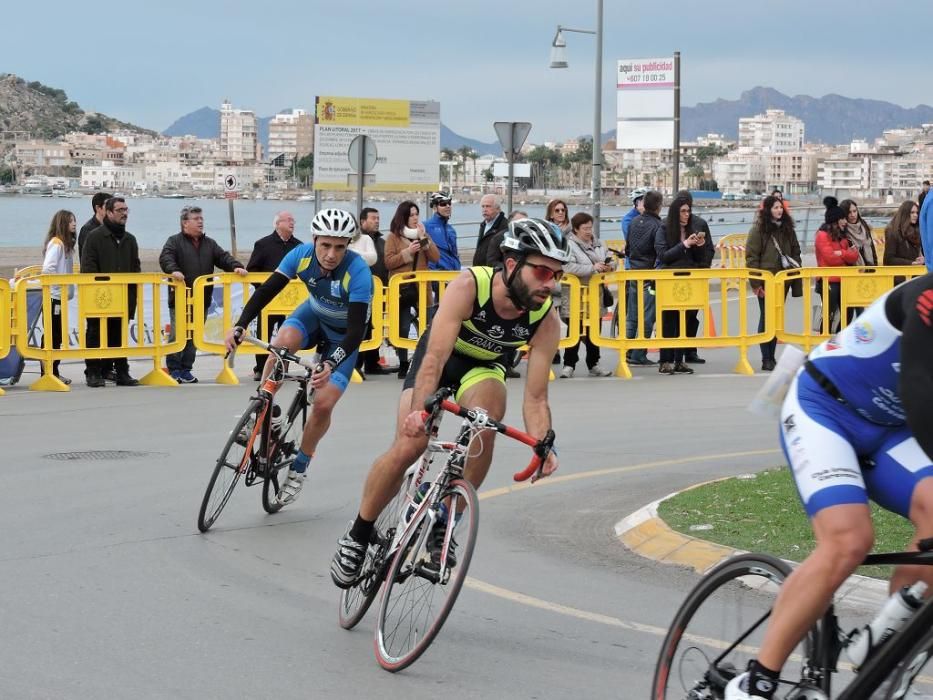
column 543, row 273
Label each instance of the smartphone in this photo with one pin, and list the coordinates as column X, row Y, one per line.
column 608, row 260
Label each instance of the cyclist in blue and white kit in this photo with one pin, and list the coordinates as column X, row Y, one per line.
column 335, row 318
column 857, row 423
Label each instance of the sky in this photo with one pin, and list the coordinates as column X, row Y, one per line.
column 484, row 60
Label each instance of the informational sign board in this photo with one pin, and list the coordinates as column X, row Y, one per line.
column 502, row 170
column 231, row 186
column 406, row 135
column 645, row 103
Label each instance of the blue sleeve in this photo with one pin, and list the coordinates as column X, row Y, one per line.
column 361, row 281
column 626, row 220
column 926, row 231
column 289, row 264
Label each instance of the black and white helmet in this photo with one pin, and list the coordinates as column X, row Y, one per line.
column 333, row 222
column 438, row 197
column 638, row 193
column 526, row 236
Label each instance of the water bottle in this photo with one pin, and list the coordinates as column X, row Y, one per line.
column 418, row 497
column 277, row 419
column 892, row 617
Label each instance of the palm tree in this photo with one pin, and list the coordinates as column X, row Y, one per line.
column 449, row 154
column 464, row 153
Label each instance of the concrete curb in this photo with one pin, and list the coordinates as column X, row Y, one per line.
column 649, row 536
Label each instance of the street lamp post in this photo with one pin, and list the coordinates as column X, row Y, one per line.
column 559, row 60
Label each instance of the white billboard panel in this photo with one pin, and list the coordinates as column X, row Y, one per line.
column 640, row 104
column 647, row 134
column 519, row 170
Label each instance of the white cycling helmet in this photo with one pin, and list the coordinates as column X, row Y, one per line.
column 333, row 222
column 527, row 236
column 638, row 193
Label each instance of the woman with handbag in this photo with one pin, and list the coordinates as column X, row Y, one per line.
column 408, row 248
column 589, row 258
column 58, row 251
column 772, row 246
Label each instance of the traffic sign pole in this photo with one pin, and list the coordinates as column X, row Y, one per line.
column 512, row 136
column 230, row 192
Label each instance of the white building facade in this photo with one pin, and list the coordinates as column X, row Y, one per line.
column 239, row 134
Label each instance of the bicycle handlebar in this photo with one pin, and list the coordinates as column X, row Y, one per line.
column 282, row 353
column 542, row 448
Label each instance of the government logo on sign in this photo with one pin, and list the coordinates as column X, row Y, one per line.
column 682, row 291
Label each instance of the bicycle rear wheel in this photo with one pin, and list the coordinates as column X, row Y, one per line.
column 355, row 601
column 233, row 462
column 719, row 628
column 417, row 598
column 286, row 449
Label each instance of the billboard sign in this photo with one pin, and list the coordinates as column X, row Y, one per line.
column 406, row 136
column 645, row 103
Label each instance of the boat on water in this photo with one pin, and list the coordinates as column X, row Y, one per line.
column 173, row 195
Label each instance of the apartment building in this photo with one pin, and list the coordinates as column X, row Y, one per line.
column 771, row 132
column 239, row 135
column 291, row 136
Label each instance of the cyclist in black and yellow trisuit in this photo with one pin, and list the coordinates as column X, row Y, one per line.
column 483, row 318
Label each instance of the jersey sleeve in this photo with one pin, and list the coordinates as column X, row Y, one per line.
column 289, row 264
column 360, row 287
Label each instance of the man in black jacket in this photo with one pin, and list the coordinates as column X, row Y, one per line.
column 267, row 254
column 368, row 361
column 494, row 222
column 110, row 248
column 641, row 254
column 187, row 256
column 97, row 204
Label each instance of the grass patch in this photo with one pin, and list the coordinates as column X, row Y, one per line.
column 764, row 514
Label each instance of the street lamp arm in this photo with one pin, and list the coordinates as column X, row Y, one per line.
column 561, row 28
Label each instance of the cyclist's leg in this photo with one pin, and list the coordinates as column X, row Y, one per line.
column 294, row 334
column 326, row 398
column 899, row 481
column 817, row 434
column 483, row 387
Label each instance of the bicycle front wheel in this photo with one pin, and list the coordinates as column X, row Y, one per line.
column 233, row 462
column 719, row 628
column 421, row 586
column 355, row 601
column 285, row 451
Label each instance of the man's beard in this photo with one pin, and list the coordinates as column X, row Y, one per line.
column 522, row 297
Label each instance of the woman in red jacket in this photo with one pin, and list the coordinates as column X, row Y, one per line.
column 833, row 250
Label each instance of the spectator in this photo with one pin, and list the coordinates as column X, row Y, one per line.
column 772, row 246
column 59, row 260
column 491, row 231
column 364, row 247
column 110, row 248
column 517, row 214
column 777, row 194
column 267, row 253
column 833, row 249
column 677, row 246
column 707, row 253
column 588, row 258
column 408, row 248
column 859, row 233
column 186, row 256
column 442, row 233
column 638, row 208
column 923, row 192
column 902, row 238
column 642, row 232
column 557, row 213
column 926, row 232
column 493, row 253
column 368, row 360
column 97, row 204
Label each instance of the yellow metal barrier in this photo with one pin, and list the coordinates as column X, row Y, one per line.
column 732, row 255
column 102, row 297
column 877, row 235
column 858, row 287
column 6, row 319
column 680, row 291
column 208, row 334
column 423, row 279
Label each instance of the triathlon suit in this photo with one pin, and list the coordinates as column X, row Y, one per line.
column 486, row 342
column 322, row 319
column 843, row 424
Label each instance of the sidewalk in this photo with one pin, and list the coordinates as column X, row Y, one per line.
column 649, row 536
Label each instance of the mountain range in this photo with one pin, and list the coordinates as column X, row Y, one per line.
column 205, row 123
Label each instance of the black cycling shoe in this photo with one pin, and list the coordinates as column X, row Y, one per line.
column 435, row 545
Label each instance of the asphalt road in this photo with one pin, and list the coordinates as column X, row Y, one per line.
column 110, row 591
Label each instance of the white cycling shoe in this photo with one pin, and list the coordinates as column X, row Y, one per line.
column 735, row 691
column 291, row 488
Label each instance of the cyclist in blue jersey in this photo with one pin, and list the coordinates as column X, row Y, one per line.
column 856, row 424
column 335, row 318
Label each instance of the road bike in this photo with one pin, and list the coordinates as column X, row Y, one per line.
column 720, row 625
column 264, row 440
column 423, row 541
